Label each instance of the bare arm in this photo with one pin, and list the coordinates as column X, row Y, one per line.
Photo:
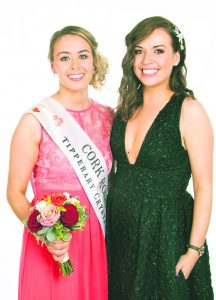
column 23, row 155
column 199, row 142
column 198, row 139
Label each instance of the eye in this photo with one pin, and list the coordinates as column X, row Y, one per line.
column 138, row 51
column 159, row 51
column 83, row 56
column 64, row 58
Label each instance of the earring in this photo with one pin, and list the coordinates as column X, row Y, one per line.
column 139, row 86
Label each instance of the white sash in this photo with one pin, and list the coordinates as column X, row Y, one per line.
column 82, row 153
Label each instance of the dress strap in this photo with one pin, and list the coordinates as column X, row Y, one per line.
column 178, row 101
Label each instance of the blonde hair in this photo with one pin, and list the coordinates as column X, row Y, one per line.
column 99, row 61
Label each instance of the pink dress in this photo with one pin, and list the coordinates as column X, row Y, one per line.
column 40, row 277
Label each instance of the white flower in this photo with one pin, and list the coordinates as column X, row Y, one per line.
column 67, row 195
column 40, row 205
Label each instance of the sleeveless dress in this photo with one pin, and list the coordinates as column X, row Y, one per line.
column 40, row 277
column 149, row 216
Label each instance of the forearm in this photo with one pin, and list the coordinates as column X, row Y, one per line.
column 19, row 204
column 201, row 216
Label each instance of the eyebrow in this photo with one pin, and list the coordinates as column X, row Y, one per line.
column 153, row 46
column 67, row 52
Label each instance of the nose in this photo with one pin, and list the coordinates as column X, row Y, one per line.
column 74, row 64
column 147, row 58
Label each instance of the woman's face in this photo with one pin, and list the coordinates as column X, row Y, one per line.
column 73, row 62
column 154, row 59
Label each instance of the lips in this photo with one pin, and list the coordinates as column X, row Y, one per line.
column 76, row 76
column 149, row 71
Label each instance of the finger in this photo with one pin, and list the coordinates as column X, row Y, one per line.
column 185, row 274
column 56, row 243
column 179, row 267
column 57, row 251
column 57, row 246
column 58, row 258
column 187, row 271
column 60, row 252
column 60, row 242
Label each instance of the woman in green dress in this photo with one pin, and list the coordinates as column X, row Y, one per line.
column 161, row 135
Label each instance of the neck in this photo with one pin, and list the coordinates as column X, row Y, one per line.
column 153, row 95
column 76, row 100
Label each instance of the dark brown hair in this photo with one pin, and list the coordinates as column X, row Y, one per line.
column 131, row 89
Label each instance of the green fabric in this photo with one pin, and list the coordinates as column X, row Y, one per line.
column 149, row 216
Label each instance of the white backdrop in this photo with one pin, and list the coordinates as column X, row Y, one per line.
column 25, row 77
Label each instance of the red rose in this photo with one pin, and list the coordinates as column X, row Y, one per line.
column 70, row 216
column 33, row 224
column 58, row 199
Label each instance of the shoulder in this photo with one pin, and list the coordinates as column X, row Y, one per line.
column 30, row 122
column 29, row 119
column 192, row 109
column 28, row 127
column 194, row 117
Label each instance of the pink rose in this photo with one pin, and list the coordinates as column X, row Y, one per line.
column 49, row 215
column 70, row 216
column 33, row 224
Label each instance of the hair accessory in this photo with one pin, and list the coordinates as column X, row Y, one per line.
column 138, row 87
column 180, row 37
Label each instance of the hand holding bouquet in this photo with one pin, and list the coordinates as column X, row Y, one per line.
column 54, row 217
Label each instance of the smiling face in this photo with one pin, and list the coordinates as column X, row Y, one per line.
column 154, row 59
column 73, row 62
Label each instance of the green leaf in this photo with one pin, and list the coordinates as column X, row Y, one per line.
column 66, row 237
column 51, row 235
column 25, row 222
column 44, row 230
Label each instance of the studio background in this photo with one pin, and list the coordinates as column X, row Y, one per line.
column 25, row 78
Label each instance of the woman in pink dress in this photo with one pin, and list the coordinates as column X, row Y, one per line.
column 74, row 58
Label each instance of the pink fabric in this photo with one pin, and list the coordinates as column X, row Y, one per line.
column 40, row 277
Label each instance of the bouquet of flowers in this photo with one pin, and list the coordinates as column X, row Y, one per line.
column 54, row 217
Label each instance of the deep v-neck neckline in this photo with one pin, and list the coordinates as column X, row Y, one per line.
column 147, row 133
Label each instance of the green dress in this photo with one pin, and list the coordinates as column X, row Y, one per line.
column 149, row 216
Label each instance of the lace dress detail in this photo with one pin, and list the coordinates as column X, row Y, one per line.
column 52, row 167
column 149, row 216
column 40, row 277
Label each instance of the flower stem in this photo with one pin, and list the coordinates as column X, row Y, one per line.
column 66, row 267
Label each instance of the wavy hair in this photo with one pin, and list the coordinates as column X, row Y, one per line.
column 99, row 61
column 131, row 89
